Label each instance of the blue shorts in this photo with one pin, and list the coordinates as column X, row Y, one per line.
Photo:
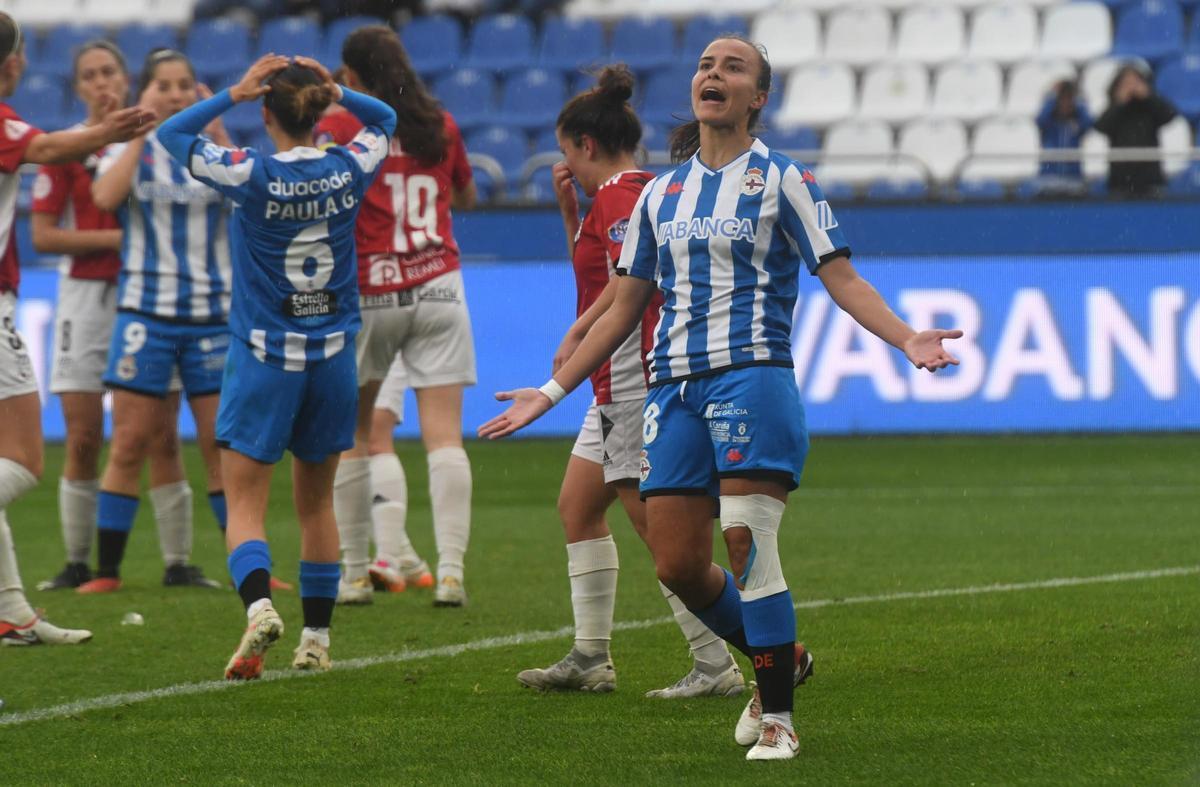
column 745, row 422
column 265, row 411
column 145, row 352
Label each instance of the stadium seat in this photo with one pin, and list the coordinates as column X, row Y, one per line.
column 434, row 43
column 1193, row 36
column 1152, row 29
column 1030, row 82
column 644, row 43
column 500, row 43
column 1094, row 82
column 605, row 9
column 218, row 48
column 817, row 95
column 1076, row 31
column 969, row 90
column 113, row 12
column 545, row 141
column 1003, row 149
column 469, row 94
column 931, row 34
column 336, row 33
column 1175, row 139
column 532, row 99
column 858, row 36
column 856, row 152
column 136, row 41
column 1005, row 33
column 900, row 188
column 939, row 144
column 666, row 98
column 41, row 101
column 1186, row 183
column 895, row 92
column 1179, row 81
column 56, row 54
column 507, row 146
column 290, row 35
column 244, row 121
column 655, row 138
column 980, row 189
column 539, row 188
column 700, row 30
column 787, row 139
column 43, row 13
column 168, row 12
column 570, row 44
column 792, row 36
column 1093, row 148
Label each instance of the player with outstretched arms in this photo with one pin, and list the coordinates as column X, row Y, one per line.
column 724, row 236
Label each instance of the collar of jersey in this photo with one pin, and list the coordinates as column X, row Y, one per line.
column 298, row 153
column 755, row 147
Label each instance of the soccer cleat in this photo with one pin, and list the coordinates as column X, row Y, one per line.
column 775, row 742
column 416, row 573
column 179, row 575
column 450, row 593
column 279, row 584
column 386, row 575
column 100, row 585
column 729, row 683
column 358, row 591
column 40, row 632
column 311, row 656
column 247, row 662
column 72, row 576
column 570, row 675
column 749, row 725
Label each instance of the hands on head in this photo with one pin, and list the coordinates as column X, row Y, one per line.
column 251, row 86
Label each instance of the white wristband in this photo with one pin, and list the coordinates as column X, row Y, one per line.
column 553, row 391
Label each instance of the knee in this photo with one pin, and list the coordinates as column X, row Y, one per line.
column 681, row 573
column 84, row 445
column 129, row 447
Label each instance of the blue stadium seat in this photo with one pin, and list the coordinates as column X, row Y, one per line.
column 1193, row 36
column 889, row 190
column 655, row 137
column 978, row 189
column 540, row 187
column 218, row 48
column 644, row 43
column 503, row 42
column 41, row 100
column 545, row 142
column 244, row 120
column 700, row 30
column 797, row 138
column 532, row 99
column 569, row 44
column 434, row 43
column 137, row 40
column 838, row 191
column 508, row 147
column 1152, row 29
column 1186, row 183
column 290, row 35
column 667, row 98
column 470, row 95
column 55, row 57
column 1179, row 80
column 335, row 35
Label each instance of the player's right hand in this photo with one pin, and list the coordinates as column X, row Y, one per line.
column 528, row 404
column 564, row 188
column 123, row 125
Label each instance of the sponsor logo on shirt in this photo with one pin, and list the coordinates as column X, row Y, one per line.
column 706, row 228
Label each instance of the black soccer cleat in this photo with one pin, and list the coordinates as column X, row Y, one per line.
column 72, row 576
column 180, row 575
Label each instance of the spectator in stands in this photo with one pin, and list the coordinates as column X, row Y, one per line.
column 1135, row 114
column 1063, row 120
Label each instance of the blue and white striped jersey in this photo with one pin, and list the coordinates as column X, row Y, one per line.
column 175, row 260
column 726, row 247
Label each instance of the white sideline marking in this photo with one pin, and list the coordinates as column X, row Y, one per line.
column 530, row 637
column 968, row 492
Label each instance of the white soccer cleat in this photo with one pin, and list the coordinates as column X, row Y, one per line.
column 749, row 725
column 311, row 656
column 386, row 576
column 775, row 742
column 264, row 628
column 728, row 683
column 450, row 593
column 358, row 591
column 569, row 675
column 40, row 632
column 416, row 572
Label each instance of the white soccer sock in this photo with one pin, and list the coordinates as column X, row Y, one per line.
column 450, row 497
column 389, row 508
column 352, row 508
column 592, row 566
column 708, row 650
column 77, row 512
column 782, row 717
column 257, row 607
column 15, row 480
column 320, row 635
column 172, row 505
column 13, row 606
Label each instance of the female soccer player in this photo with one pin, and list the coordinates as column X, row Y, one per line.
column 599, row 135
column 412, row 303
column 289, row 379
column 724, row 234
column 20, row 409
column 172, row 308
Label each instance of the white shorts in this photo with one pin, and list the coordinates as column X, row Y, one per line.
column 612, row 436
column 83, row 324
column 395, row 385
column 428, row 325
column 16, row 369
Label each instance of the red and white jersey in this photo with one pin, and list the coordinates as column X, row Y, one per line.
column 403, row 234
column 65, row 192
column 597, row 248
column 15, row 136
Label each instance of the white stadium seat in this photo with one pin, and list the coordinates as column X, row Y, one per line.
column 1005, row 33
column 1097, row 75
column 1175, row 139
column 968, row 91
column 895, row 92
column 44, row 13
column 115, row 12
column 169, row 12
column 1077, row 32
column 931, row 34
column 1003, row 149
column 814, row 5
column 1094, row 148
column 817, row 95
column 1030, row 82
column 941, row 144
column 792, row 36
column 849, row 140
column 858, row 36
column 599, row 9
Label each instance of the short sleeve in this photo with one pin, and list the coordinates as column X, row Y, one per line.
column 15, row 136
column 639, row 249
column 109, row 158
column 336, row 128
column 51, row 188
column 227, row 170
column 368, row 149
column 807, row 219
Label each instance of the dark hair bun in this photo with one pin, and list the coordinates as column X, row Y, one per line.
column 615, row 83
column 313, row 100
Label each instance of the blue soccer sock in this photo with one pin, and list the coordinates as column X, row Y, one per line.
column 724, row 616
column 250, row 567
column 114, row 519
column 318, row 592
column 771, row 633
column 216, row 501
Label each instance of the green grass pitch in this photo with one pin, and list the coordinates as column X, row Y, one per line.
column 1019, row 681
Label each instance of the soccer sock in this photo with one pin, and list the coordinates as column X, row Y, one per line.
column 15, row 480
column 771, row 632
column 114, row 519
column 77, row 513
column 14, row 608
column 352, row 509
column 450, row 498
column 389, row 508
column 318, row 592
column 709, row 651
column 172, row 504
column 216, row 501
column 592, row 567
column 724, row 615
column 320, row 635
column 250, row 567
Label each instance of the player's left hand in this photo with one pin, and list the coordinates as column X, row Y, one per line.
column 528, row 404
column 251, row 87
column 925, row 349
